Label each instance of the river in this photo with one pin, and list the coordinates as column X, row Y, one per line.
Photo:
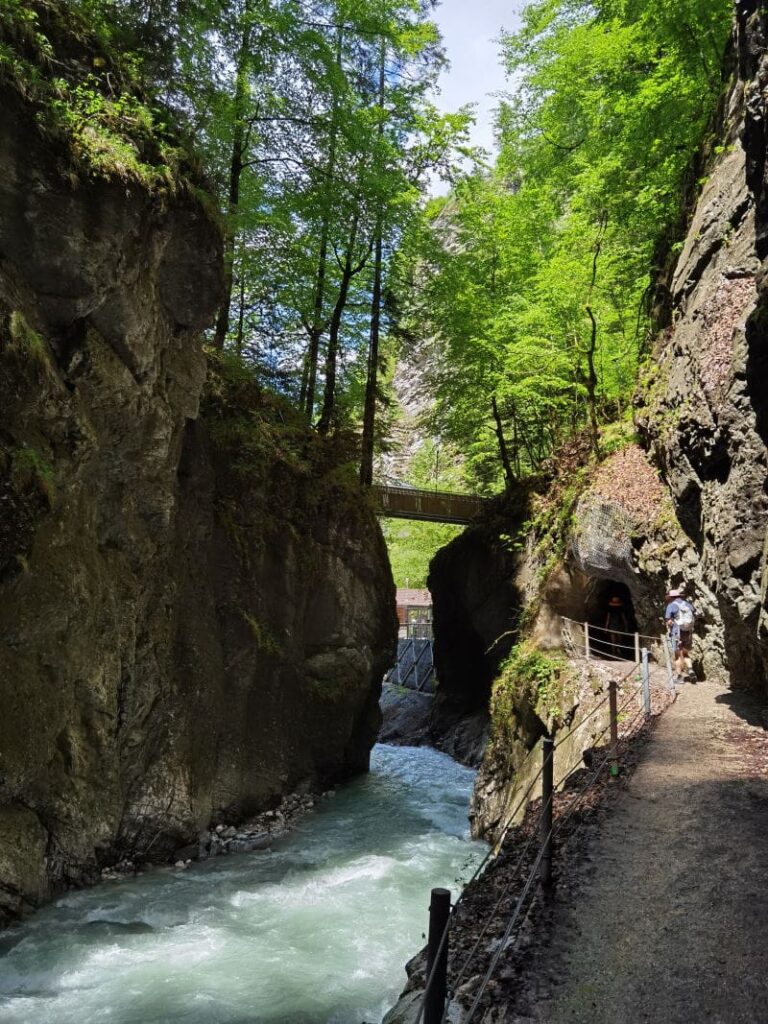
column 314, row 931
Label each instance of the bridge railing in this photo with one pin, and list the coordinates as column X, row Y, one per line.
column 435, row 506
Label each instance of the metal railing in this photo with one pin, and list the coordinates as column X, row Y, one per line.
column 415, row 665
column 438, row 993
column 428, row 506
column 583, row 640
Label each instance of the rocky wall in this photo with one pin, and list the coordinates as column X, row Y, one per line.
column 704, row 413
column 180, row 642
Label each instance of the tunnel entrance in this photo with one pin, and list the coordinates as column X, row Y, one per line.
column 612, row 622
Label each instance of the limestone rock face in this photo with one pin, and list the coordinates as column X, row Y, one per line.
column 476, row 607
column 705, row 414
column 178, row 644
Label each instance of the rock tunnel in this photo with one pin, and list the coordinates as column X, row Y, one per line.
column 610, row 612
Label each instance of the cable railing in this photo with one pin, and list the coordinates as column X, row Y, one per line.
column 584, row 640
column 438, row 994
column 550, row 834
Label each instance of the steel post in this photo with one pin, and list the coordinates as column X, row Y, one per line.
column 646, row 684
column 586, row 639
column 668, row 659
column 437, row 956
column 637, row 648
column 614, row 713
column 547, row 796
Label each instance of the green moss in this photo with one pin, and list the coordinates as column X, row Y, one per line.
column 330, row 691
column 545, row 683
column 264, row 638
column 25, row 343
column 31, row 471
column 618, row 435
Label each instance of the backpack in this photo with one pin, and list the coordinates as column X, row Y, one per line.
column 684, row 617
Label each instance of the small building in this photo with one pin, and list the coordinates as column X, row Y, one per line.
column 414, row 613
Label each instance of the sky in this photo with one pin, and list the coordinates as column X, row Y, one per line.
column 470, row 30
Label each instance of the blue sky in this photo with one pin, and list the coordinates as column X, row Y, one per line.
column 470, row 30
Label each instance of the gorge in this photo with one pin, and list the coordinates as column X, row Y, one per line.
column 197, row 601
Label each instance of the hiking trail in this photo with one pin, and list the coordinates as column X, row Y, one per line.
column 668, row 918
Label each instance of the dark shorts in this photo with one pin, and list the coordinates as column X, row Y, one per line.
column 686, row 639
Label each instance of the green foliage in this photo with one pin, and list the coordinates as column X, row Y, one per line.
column 529, row 678
column 106, row 132
column 515, row 271
column 32, row 472
column 263, row 637
column 27, row 344
column 60, row 56
column 412, row 546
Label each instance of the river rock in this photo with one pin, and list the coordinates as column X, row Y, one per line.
column 406, row 1010
column 248, row 844
column 405, row 716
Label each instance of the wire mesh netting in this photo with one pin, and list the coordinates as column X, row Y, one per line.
column 602, row 539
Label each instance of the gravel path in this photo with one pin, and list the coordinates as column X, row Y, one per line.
column 669, row 920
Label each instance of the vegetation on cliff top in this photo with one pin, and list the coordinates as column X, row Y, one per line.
column 89, row 95
column 315, row 125
column 264, row 448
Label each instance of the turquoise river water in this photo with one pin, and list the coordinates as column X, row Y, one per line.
column 314, row 931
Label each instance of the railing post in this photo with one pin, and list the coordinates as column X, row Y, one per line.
column 646, row 684
column 547, row 796
column 586, row 639
column 637, row 648
column 437, row 956
column 614, row 713
column 668, row 659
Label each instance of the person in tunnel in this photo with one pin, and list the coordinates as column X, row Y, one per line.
column 616, row 626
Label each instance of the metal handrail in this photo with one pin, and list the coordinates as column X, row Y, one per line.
column 425, row 492
column 614, row 632
column 551, row 829
column 554, row 830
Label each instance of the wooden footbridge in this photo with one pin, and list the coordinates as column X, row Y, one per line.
column 400, row 502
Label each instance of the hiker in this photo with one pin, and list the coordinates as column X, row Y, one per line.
column 680, row 617
column 615, row 624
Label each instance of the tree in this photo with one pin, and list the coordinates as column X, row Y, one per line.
column 532, row 275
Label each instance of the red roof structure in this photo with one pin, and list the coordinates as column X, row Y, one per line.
column 414, row 612
column 411, row 598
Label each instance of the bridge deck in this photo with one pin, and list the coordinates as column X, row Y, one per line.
column 427, row 506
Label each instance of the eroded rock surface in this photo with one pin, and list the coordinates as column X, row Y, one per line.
column 706, row 411
column 182, row 642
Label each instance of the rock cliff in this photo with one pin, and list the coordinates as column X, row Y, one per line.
column 704, row 413
column 192, row 621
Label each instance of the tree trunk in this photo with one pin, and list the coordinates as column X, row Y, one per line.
column 317, row 326
column 241, row 311
column 590, row 383
column 508, row 474
column 331, row 361
column 235, row 174
column 371, row 383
